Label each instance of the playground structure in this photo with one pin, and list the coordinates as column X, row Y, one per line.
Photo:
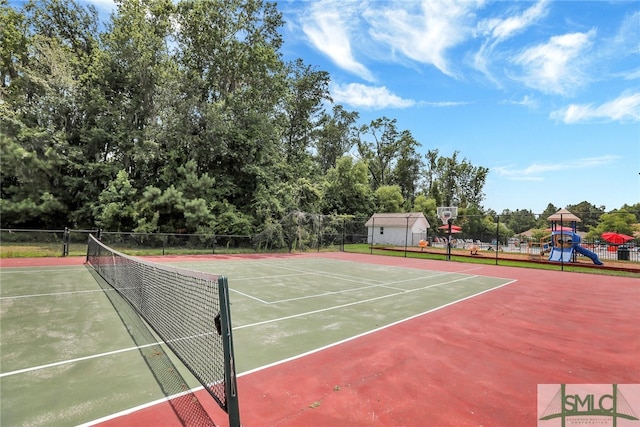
column 564, row 242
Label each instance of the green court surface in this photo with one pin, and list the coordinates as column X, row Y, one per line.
column 73, row 352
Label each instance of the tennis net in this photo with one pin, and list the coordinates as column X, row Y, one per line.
column 189, row 311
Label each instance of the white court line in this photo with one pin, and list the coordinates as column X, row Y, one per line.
column 322, row 273
column 373, row 330
column 339, row 277
column 280, row 362
column 250, row 296
column 79, row 359
column 381, row 285
column 235, row 328
column 16, row 270
column 322, row 310
column 109, row 353
column 54, row 294
column 277, row 276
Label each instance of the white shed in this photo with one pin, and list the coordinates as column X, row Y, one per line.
column 398, row 229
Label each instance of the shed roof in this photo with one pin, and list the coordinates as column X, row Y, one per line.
column 395, row 219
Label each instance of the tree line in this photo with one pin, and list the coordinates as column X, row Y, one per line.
column 184, row 117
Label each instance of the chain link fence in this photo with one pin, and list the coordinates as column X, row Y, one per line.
column 301, row 231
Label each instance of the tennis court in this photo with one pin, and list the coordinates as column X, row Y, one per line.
column 459, row 343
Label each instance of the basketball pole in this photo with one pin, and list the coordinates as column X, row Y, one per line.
column 449, row 222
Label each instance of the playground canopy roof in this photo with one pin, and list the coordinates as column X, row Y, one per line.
column 564, row 216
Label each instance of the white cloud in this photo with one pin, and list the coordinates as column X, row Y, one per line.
column 497, row 30
column 536, row 171
column 556, row 67
column 502, row 29
column 526, row 101
column 442, row 103
column 422, row 31
column 632, row 75
column 359, row 95
column 328, row 29
column 625, row 108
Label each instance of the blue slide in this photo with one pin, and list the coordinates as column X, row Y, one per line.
column 561, row 254
column 588, row 254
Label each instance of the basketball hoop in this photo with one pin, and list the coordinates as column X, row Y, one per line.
column 446, row 213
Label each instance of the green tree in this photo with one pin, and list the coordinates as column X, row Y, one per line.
column 115, row 208
column 232, row 81
column 543, row 221
column 380, row 151
column 428, row 207
column 347, row 189
column 588, row 213
column 388, row 199
column 48, row 49
column 518, row 220
column 634, row 209
column 619, row 221
column 474, row 223
column 408, row 167
column 308, row 89
column 335, row 137
column 453, row 182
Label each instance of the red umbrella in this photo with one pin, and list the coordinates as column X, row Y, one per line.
column 616, row 238
column 454, row 228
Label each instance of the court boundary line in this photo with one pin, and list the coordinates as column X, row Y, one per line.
column 77, row 359
column 54, row 294
column 289, row 359
column 511, row 281
column 80, row 359
column 322, row 310
column 346, row 278
column 22, row 269
column 380, row 285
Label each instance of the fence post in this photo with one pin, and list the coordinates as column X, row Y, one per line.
column 65, row 242
column 373, row 232
column 561, row 248
column 321, row 231
column 406, row 238
column 497, row 236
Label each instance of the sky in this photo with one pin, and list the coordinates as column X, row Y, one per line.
column 545, row 94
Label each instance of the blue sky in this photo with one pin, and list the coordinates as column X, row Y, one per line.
column 545, row 94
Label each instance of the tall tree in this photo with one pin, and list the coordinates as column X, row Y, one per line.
column 618, row 221
column 132, row 72
column 232, row 80
column 519, row 220
column 543, row 221
column 388, row 199
column 336, row 136
column 408, row 167
column 49, row 50
column 347, row 189
column 302, row 107
column 378, row 147
column 588, row 213
column 453, row 182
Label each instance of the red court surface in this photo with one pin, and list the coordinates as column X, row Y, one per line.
column 474, row 363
